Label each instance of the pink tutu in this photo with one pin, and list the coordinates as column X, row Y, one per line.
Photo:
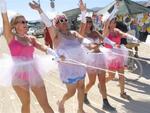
column 21, row 71
column 115, row 58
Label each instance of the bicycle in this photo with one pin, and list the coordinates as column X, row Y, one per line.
column 134, row 68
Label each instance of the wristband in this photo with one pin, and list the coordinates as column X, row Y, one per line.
column 52, row 52
column 3, row 6
column 83, row 16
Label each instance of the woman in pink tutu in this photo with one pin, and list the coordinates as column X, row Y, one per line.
column 115, row 57
column 25, row 73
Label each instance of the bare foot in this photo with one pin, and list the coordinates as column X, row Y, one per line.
column 61, row 108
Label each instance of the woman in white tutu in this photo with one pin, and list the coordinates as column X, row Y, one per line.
column 67, row 43
column 96, row 59
column 25, row 73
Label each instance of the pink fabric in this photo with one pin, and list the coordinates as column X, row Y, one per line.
column 116, row 39
column 21, row 52
column 114, row 62
column 17, row 49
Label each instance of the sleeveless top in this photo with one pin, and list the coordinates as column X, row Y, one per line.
column 115, row 38
column 21, row 50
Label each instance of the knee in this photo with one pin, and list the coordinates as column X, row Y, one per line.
column 81, row 86
column 101, row 77
column 121, row 77
column 71, row 92
column 111, row 77
column 91, row 82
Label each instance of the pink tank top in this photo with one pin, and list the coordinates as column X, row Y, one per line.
column 116, row 39
column 20, row 50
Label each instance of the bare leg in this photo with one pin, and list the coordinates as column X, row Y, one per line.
column 110, row 77
column 102, row 83
column 71, row 89
column 92, row 79
column 121, row 81
column 24, row 96
column 103, row 91
column 40, row 93
column 80, row 88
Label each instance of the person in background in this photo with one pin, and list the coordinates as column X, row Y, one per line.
column 134, row 27
column 143, row 28
column 47, row 38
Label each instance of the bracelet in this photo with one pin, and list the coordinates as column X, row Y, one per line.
column 83, row 16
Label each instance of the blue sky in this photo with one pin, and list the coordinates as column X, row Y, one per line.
column 21, row 6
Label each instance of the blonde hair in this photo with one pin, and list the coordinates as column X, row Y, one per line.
column 14, row 20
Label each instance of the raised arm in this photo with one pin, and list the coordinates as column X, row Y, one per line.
column 34, row 5
column 6, row 24
column 83, row 17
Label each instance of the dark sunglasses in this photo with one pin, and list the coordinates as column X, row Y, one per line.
column 64, row 20
column 89, row 21
column 22, row 22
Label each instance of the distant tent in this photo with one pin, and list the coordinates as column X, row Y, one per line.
column 148, row 4
column 125, row 7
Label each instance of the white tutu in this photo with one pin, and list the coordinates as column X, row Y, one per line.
column 95, row 62
column 20, row 71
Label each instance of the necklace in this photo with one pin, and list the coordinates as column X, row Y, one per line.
column 67, row 35
column 22, row 39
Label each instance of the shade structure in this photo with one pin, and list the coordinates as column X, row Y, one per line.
column 125, row 7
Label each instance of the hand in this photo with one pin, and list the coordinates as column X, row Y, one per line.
column 117, row 46
column 82, row 6
column 117, row 4
column 34, row 5
column 62, row 57
column 3, row 7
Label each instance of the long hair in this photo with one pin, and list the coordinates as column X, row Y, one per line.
column 14, row 20
column 92, row 27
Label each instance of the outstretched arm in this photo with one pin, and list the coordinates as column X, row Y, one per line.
column 6, row 25
column 34, row 5
column 83, row 18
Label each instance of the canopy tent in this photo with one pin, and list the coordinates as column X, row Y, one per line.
column 125, row 7
column 148, row 4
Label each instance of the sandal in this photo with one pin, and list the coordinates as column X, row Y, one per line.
column 125, row 96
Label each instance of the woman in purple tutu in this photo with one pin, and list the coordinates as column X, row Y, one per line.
column 67, row 43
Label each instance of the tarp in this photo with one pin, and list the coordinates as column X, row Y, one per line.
column 125, row 7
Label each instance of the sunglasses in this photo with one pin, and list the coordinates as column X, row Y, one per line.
column 89, row 21
column 23, row 22
column 64, row 20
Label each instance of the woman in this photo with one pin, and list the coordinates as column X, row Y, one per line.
column 97, row 59
column 25, row 72
column 67, row 43
column 116, row 62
